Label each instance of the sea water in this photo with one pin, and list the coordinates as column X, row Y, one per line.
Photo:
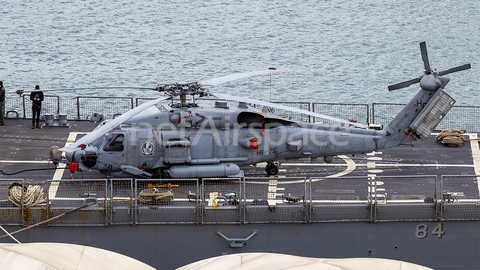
column 328, row 51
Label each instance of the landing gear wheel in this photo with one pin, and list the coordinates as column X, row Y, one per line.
column 160, row 174
column 155, row 175
column 164, row 174
column 271, row 169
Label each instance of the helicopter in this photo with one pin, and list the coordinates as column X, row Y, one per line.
column 195, row 138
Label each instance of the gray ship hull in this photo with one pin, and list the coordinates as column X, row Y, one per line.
column 172, row 246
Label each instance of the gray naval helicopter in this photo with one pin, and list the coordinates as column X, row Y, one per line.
column 215, row 138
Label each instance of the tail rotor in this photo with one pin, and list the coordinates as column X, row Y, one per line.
column 431, row 80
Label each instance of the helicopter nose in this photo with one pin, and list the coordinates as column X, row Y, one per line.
column 88, row 157
column 74, row 156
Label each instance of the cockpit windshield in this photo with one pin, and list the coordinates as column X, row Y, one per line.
column 98, row 142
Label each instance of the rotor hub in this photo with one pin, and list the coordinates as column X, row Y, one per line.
column 182, row 89
column 432, row 82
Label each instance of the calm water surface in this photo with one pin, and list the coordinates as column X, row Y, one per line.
column 330, row 51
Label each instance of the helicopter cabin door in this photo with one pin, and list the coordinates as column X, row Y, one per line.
column 144, row 151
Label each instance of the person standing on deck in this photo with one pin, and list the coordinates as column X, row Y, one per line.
column 2, row 104
column 36, row 97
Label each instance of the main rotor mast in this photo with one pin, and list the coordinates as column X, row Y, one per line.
column 181, row 90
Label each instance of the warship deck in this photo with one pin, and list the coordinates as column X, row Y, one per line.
column 24, row 154
column 416, row 202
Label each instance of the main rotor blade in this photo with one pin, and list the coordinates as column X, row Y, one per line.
column 233, row 77
column 455, row 69
column 426, row 63
column 81, row 88
column 99, row 132
column 403, row 84
column 279, row 106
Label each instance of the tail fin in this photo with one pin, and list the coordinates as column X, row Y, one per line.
column 424, row 112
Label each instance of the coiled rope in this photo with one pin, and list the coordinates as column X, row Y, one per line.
column 154, row 196
column 31, row 197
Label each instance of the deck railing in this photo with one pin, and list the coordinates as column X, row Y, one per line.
column 109, row 202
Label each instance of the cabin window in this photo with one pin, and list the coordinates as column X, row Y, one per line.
column 114, row 143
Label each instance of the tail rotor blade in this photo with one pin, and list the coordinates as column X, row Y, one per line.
column 426, row 63
column 455, row 69
column 428, row 71
column 403, row 84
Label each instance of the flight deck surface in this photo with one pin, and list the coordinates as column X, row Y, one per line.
column 25, row 155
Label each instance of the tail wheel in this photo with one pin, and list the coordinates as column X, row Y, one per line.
column 271, row 169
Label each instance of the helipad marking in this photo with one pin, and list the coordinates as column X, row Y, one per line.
column 350, row 167
column 475, row 156
column 272, row 192
column 378, row 165
column 52, row 191
column 371, row 165
column 26, row 161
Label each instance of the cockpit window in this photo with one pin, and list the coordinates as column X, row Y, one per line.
column 114, row 143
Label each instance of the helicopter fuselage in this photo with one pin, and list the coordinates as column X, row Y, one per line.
column 215, row 138
column 208, row 138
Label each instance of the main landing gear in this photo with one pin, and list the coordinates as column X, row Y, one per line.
column 272, row 168
column 160, row 174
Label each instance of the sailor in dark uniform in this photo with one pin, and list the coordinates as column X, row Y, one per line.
column 2, row 104
column 36, row 97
